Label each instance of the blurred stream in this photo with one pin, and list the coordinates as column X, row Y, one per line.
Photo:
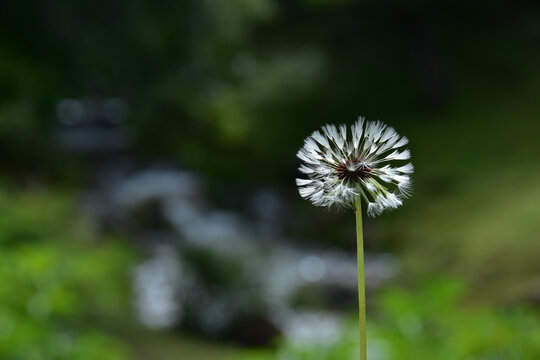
column 206, row 269
column 262, row 275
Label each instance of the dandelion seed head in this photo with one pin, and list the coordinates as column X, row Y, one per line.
column 341, row 167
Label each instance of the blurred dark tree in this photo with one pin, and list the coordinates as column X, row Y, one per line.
column 231, row 88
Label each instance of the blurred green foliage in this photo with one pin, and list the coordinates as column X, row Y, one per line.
column 230, row 88
column 60, row 282
column 430, row 322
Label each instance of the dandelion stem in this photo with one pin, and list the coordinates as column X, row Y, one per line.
column 361, row 278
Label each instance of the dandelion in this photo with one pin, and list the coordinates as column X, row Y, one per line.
column 340, row 168
column 343, row 169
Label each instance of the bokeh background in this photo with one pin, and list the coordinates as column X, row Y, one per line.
column 147, row 166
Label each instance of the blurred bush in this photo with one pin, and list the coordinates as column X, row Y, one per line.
column 59, row 282
column 431, row 322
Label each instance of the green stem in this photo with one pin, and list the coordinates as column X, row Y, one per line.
column 361, row 278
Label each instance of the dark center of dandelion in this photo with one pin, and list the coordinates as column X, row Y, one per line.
column 353, row 170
